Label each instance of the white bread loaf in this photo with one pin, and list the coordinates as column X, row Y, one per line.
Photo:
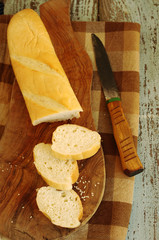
column 71, row 141
column 63, row 208
column 45, row 87
column 56, row 173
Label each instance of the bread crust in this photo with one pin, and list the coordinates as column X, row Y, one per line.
column 45, row 87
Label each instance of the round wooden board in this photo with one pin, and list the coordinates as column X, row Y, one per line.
column 19, row 214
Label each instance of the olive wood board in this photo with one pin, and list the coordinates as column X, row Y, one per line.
column 19, row 214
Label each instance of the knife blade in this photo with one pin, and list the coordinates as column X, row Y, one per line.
column 130, row 161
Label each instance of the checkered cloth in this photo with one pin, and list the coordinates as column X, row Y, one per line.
column 110, row 222
column 121, row 40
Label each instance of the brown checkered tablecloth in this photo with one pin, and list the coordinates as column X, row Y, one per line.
column 121, row 40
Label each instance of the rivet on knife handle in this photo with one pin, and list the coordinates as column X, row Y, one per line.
column 130, row 161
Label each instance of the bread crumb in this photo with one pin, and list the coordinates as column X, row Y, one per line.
column 83, row 197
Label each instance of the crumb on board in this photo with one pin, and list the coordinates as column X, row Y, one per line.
column 82, row 190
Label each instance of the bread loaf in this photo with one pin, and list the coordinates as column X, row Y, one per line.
column 45, row 87
column 71, row 141
column 56, row 173
column 63, row 208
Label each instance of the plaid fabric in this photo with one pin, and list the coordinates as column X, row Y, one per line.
column 110, row 222
column 121, row 40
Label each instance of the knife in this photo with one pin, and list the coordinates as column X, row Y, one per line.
column 130, row 161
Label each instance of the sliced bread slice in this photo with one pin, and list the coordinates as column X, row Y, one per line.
column 71, row 141
column 56, row 173
column 63, row 208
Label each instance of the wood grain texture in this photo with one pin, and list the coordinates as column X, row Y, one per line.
column 130, row 161
column 144, row 222
column 20, row 218
column 14, row 6
column 78, row 12
column 83, row 10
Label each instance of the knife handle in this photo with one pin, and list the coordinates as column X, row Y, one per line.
column 130, row 161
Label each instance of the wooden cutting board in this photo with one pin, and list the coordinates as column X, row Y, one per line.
column 19, row 214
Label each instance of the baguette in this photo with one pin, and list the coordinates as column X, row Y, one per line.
column 63, row 208
column 56, row 173
column 71, row 141
column 44, row 85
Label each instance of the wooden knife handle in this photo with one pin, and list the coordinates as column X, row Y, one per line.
column 130, row 161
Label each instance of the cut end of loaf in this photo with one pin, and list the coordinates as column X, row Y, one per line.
column 63, row 116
